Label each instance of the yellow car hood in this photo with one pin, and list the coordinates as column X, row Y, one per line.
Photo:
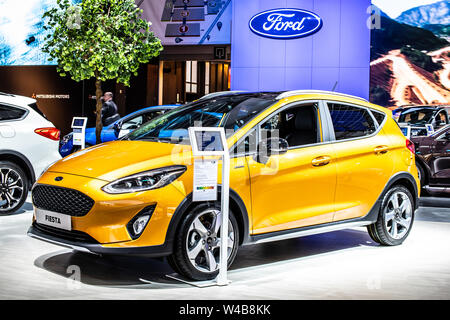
column 113, row 160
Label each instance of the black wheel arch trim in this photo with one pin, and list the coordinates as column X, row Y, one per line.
column 243, row 217
column 395, row 179
column 404, row 176
column 29, row 170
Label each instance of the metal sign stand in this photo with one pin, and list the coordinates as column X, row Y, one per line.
column 199, row 149
column 222, row 279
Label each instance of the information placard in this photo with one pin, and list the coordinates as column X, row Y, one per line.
column 205, row 180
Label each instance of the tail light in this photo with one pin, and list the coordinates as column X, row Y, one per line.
column 410, row 146
column 50, row 133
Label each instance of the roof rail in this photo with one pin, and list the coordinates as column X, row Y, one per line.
column 299, row 92
column 219, row 94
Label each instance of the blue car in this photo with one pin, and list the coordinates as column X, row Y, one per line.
column 115, row 130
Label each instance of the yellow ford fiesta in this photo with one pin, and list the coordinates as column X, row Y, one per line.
column 302, row 162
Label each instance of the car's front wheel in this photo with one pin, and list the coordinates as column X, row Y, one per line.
column 196, row 248
column 13, row 187
column 395, row 218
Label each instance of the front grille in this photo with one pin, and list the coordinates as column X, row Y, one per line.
column 61, row 200
column 74, row 236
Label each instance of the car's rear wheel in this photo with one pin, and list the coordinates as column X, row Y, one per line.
column 395, row 218
column 13, row 187
column 196, row 249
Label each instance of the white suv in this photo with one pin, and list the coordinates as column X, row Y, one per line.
column 28, row 144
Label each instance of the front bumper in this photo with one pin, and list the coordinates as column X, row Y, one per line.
column 37, row 232
column 105, row 226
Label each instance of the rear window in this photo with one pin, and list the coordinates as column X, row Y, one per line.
column 379, row 116
column 351, row 122
column 35, row 107
column 416, row 117
column 11, row 113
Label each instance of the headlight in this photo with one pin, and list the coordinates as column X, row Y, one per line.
column 147, row 180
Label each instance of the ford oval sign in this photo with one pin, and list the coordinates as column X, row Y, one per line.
column 285, row 23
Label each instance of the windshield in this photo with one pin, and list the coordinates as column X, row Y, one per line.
column 231, row 113
column 422, row 116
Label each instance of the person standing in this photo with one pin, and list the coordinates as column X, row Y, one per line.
column 109, row 110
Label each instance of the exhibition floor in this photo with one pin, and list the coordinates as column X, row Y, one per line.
column 339, row 265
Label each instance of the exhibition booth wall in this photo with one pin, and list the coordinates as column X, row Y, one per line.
column 336, row 57
column 220, row 45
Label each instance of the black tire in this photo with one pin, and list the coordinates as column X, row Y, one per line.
column 422, row 174
column 13, row 191
column 180, row 261
column 385, row 229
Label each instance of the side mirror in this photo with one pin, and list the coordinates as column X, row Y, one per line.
column 269, row 147
column 117, row 127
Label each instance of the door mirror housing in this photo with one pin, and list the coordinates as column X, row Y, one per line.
column 117, row 126
column 269, row 147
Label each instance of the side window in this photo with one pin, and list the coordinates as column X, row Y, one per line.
column 379, row 116
column 351, row 122
column 441, row 118
column 247, row 145
column 297, row 125
column 132, row 123
column 151, row 115
column 10, row 113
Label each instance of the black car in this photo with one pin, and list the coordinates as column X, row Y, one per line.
column 433, row 161
column 418, row 117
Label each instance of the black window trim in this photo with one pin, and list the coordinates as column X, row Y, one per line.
column 17, row 107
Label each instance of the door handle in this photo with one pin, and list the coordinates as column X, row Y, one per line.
column 381, row 150
column 321, row 161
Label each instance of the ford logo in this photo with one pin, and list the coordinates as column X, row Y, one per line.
column 58, row 178
column 285, row 23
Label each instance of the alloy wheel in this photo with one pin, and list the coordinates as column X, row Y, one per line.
column 203, row 240
column 11, row 188
column 398, row 215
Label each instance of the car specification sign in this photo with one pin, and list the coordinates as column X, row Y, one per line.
column 205, row 180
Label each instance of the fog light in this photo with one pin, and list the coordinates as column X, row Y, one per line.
column 139, row 224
